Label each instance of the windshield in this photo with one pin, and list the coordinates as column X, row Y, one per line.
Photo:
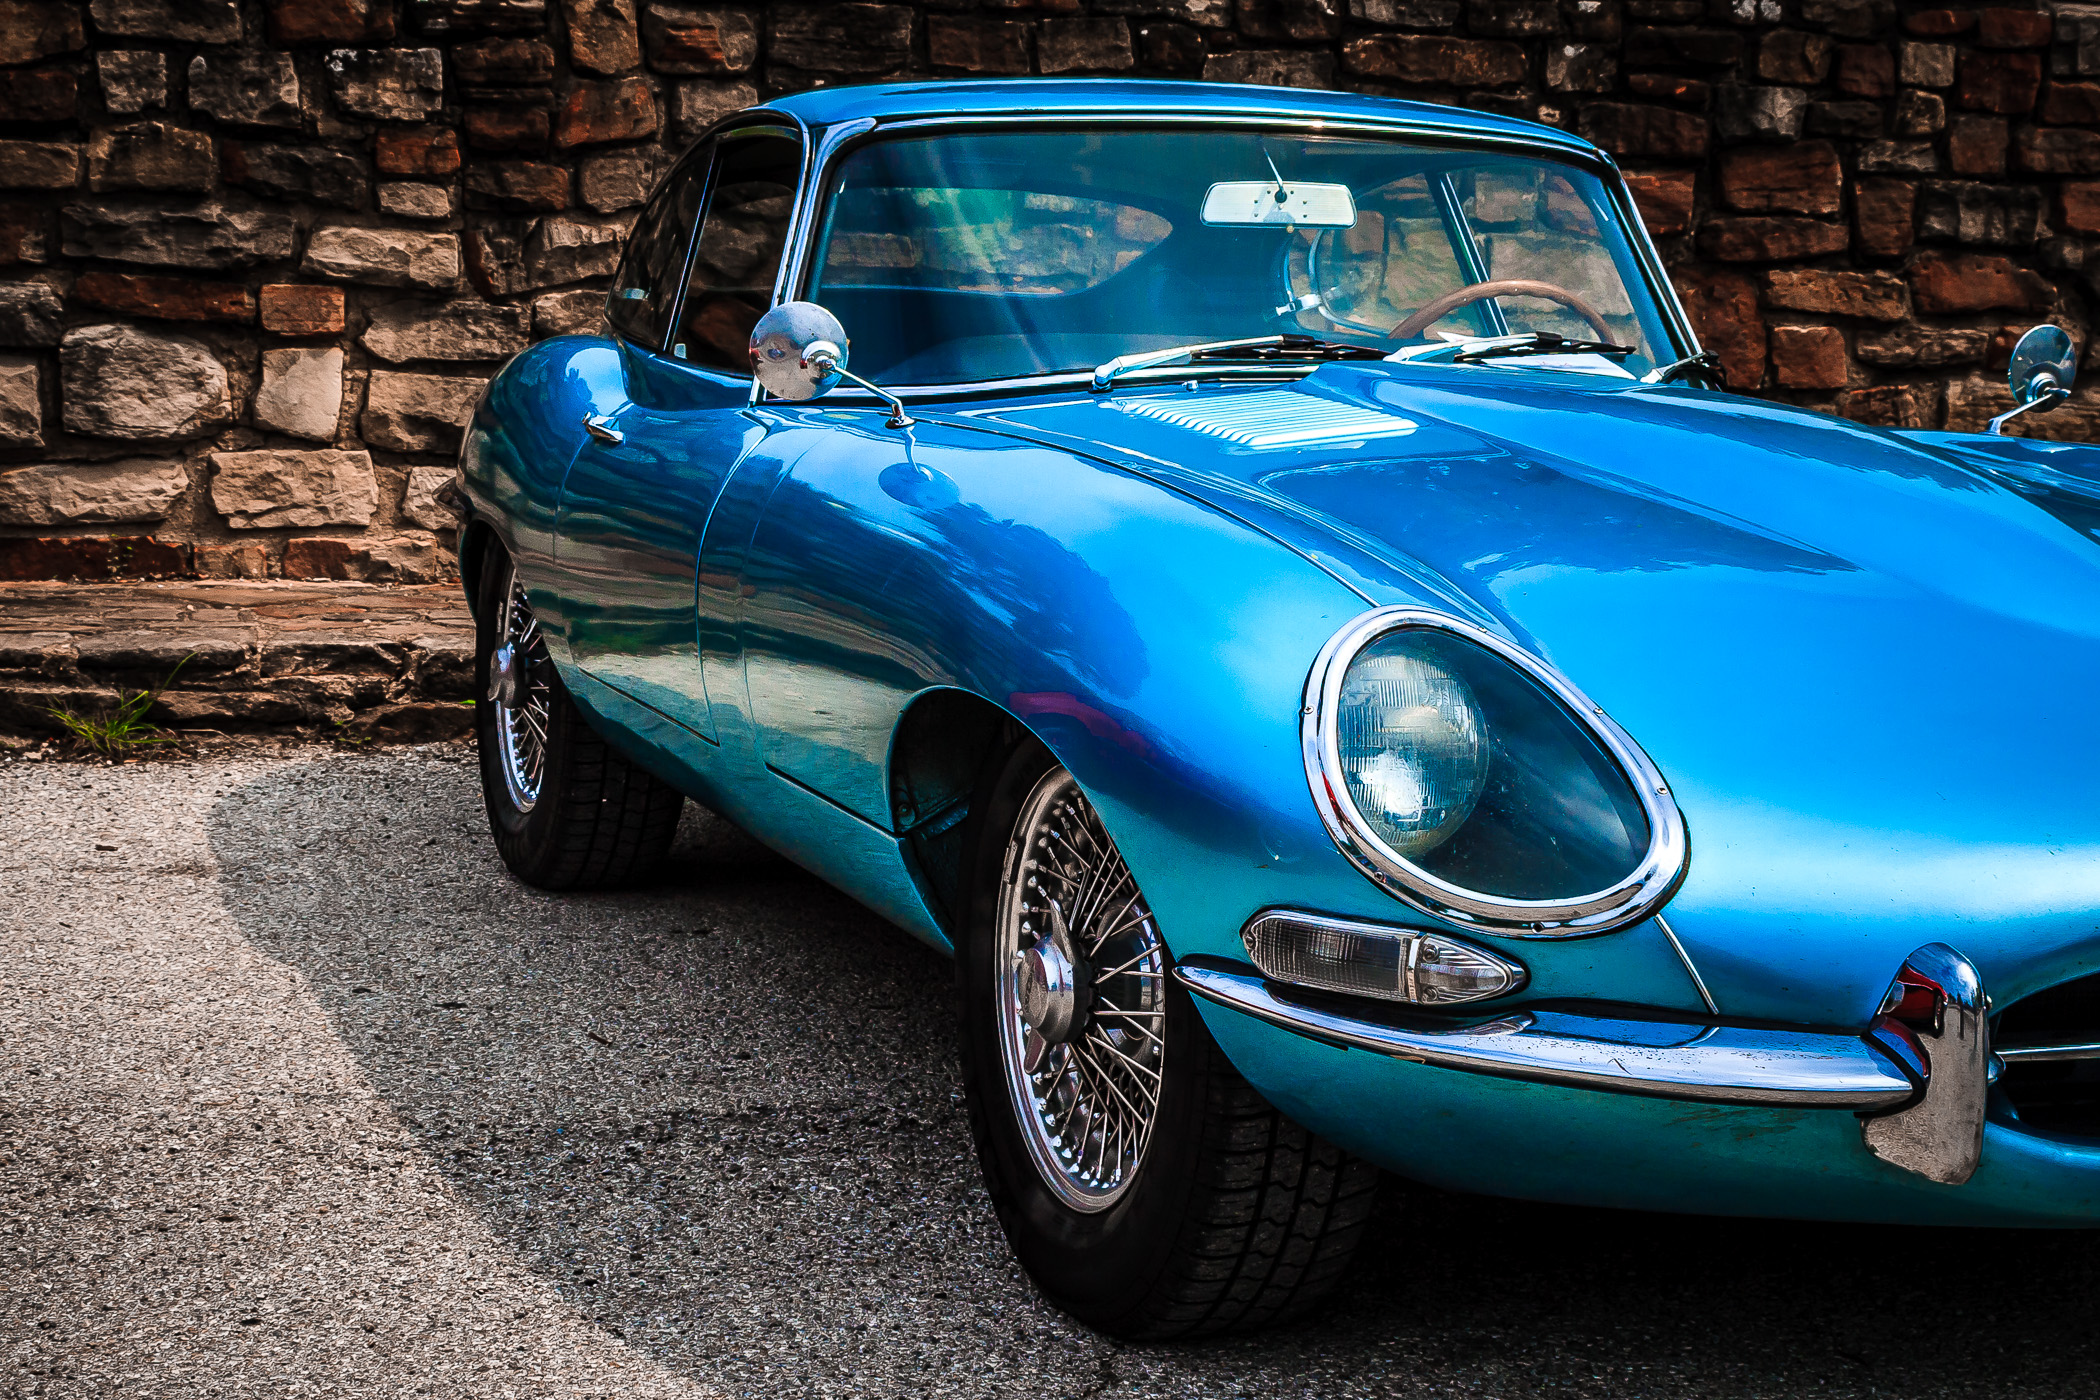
column 1004, row 254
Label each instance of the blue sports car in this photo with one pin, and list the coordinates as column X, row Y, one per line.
column 1271, row 582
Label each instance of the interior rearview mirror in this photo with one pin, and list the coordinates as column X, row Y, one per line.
column 2044, row 366
column 1283, row 203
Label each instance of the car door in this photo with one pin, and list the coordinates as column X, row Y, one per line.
column 669, row 429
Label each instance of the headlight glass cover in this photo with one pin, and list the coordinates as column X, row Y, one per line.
column 1414, row 748
column 1477, row 784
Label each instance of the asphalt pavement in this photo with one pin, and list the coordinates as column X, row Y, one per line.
column 301, row 1095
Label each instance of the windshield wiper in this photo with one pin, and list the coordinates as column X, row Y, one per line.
column 1535, row 343
column 1478, row 348
column 1261, row 347
column 1702, row 365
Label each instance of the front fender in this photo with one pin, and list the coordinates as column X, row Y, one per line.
column 524, row 435
column 1159, row 646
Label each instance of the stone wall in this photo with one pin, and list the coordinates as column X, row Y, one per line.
column 257, row 256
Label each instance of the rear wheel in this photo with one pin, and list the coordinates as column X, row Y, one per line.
column 567, row 810
column 1146, row 1186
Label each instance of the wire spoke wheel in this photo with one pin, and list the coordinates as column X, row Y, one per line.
column 568, row 811
column 520, row 688
column 1081, row 986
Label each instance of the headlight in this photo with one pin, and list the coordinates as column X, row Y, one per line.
column 1476, row 784
column 1413, row 747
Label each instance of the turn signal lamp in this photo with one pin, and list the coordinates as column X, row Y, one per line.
column 1375, row 960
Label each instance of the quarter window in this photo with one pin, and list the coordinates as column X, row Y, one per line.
column 647, row 283
column 741, row 241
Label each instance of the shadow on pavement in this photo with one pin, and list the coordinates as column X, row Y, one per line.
column 721, row 1114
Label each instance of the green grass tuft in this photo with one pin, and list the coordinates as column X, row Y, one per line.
column 124, row 730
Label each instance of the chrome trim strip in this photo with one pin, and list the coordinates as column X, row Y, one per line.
column 1686, row 959
column 1644, row 890
column 2048, row 1054
column 799, row 214
column 1711, row 1064
column 1940, row 1137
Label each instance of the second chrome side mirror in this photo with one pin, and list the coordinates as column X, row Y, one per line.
column 2044, row 366
column 798, row 352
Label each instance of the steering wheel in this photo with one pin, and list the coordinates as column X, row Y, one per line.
column 1449, row 302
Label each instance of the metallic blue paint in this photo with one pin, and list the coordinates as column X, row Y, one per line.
column 1865, row 661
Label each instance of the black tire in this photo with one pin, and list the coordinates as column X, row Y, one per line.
column 599, row 820
column 1234, row 1218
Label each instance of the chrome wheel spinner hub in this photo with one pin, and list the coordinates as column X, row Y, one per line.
column 1050, row 978
column 504, row 673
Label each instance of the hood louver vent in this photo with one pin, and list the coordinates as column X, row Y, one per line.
column 1272, row 418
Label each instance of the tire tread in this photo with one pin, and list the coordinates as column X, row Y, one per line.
column 1274, row 1219
column 602, row 820
column 614, row 820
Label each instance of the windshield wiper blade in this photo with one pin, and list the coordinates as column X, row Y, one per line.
column 1105, row 375
column 1297, row 347
column 1535, row 343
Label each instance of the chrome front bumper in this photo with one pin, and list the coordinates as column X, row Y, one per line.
column 1917, row 1076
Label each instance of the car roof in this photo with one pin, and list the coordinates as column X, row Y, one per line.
column 1078, row 96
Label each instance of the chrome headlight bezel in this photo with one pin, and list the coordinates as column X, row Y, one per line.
column 1633, row 898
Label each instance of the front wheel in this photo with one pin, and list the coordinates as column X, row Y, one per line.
column 1147, row 1187
column 568, row 811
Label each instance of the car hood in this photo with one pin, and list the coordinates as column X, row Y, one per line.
column 1867, row 669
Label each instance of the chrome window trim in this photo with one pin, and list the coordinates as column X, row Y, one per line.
column 1644, row 890
column 817, row 173
column 1676, row 320
column 836, row 142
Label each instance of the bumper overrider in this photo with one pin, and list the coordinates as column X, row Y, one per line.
column 1917, row 1076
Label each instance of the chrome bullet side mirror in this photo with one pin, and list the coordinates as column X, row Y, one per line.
column 798, row 352
column 2044, row 366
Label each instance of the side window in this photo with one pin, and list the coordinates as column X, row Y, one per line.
column 741, row 241
column 647, row 282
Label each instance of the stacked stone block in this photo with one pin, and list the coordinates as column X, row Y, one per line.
column 257, row 257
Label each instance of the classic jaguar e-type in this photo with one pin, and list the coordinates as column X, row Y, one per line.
column 1272, row 583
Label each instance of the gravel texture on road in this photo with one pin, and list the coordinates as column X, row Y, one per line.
column 301, row 1095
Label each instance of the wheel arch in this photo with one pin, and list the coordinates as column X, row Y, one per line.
column 945, row 751
column 475, row 540
column 944, row 744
